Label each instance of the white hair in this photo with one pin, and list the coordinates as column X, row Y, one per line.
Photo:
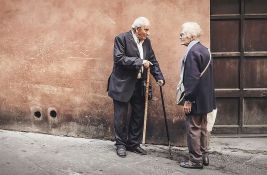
column 192, row 28
column 140, row 22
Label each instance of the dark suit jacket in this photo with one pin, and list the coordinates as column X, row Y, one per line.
column 199, row 90
column 127, row 63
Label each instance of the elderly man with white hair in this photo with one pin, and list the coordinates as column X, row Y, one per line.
column 199, row 99
column 132, row 55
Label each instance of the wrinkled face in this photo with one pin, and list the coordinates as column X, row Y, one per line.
column 142, row 33
column 185, row 39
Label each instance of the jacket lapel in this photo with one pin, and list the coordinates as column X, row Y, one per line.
column 133, row 43
column 144, row 49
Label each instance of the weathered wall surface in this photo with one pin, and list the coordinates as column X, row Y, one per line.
column 56, row 56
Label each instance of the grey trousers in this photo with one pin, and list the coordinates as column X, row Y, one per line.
column 197, row 136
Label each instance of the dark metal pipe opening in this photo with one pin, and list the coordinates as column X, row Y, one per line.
column 53, row 113
column 37, row 114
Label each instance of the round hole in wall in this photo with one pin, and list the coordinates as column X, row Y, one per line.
column 37, row 114
column 53, row 113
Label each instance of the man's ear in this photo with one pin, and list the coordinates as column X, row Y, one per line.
column 135, row 30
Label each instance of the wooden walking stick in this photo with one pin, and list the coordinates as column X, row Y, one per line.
column 146, row 105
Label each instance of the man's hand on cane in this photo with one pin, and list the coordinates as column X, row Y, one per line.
column 161, row 82
column 146, row 63
column 187, row 107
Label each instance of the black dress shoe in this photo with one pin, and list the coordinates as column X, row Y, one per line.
column 205, row 159
column 138, row 150
column 192, row 165
column 121, row 151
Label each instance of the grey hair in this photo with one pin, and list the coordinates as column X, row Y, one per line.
column 140, row 22
column 192, row 28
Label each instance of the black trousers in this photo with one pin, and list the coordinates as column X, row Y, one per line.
column 129, row 133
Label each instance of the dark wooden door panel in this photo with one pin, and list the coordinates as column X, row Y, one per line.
column 226, row 38
column 225, row 7
column 255, row 72
column 228, row 108
column 226, row 72
column 255, row 35
column 255, row 6
column 255, row 110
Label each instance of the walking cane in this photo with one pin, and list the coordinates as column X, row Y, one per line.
column 165, row 118
column 146, row 105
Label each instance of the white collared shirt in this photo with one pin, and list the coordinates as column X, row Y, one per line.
column 141, row 52
column 139, row 45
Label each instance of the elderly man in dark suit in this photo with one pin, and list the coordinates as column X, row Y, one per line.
column 132, row 55
column 197, row 77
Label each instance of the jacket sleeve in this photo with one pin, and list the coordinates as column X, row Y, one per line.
column 155, row 69
column 191, row 75
column 121, row 59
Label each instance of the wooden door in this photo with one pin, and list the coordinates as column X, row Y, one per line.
column 239, row 49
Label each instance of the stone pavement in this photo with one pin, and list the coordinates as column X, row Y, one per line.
column 40, row 154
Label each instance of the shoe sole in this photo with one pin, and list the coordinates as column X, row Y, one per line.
column 191, row 167
column 139, row 153
column 122, row 156
column 133, row 151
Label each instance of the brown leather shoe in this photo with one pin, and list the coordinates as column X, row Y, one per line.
column 192, row 165
column 138, row 150
column 205, row 159
column 121, row 151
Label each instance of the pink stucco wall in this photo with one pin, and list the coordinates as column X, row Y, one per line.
column 56, row 55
